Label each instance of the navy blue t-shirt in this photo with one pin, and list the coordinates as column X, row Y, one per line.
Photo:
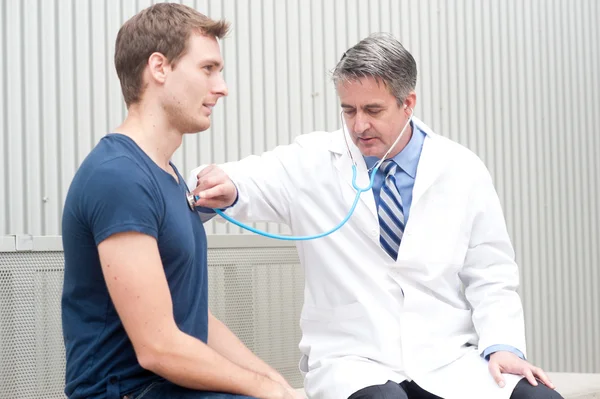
column 118, row 188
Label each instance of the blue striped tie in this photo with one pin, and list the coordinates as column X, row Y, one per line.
column 391, row 213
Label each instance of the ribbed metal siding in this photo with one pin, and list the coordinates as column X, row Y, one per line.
column 516, row 81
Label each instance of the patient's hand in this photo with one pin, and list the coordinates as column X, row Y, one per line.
column 215, row 188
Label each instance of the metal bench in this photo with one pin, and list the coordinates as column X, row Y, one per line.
column 256, row 288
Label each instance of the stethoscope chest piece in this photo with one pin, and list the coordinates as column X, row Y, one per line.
column 191, row 200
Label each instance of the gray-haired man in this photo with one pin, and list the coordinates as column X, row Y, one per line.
column 415, row 297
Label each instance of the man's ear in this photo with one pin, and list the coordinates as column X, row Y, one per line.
column 158, row 66
column 410, row 102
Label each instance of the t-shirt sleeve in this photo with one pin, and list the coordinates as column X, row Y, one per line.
column 119, row 197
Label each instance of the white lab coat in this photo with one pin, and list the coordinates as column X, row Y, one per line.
column 367, row 319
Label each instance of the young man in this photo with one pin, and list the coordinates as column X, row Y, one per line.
column 415, row 297
column 135, row 310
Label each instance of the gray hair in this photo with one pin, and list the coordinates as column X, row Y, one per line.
column 382, row 57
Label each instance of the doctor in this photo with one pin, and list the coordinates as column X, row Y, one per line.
column 415, row 297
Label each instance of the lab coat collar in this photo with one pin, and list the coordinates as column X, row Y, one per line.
column 431, row 165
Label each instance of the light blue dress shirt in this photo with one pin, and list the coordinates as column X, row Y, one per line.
column 408, row 160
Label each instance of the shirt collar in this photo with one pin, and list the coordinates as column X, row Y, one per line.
column 408, row 158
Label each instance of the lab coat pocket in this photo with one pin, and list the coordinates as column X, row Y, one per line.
column 333, row 332
column 303, row 365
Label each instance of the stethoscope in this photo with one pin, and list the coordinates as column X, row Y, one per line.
column 191, row 198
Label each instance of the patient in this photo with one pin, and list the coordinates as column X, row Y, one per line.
column 135, row 302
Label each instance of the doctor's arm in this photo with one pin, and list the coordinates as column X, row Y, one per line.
column 258, row 188
column 491, row 277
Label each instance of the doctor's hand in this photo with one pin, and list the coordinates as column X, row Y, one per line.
column 507, row 362
column 215, row 188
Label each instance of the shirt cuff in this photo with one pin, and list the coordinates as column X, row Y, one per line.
column 497, row 348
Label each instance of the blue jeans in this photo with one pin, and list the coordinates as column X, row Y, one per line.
column 168, row 390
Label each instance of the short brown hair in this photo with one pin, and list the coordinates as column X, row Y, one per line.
column 164, row 28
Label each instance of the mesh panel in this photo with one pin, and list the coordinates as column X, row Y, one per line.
column 32, row 363
column 256, row 292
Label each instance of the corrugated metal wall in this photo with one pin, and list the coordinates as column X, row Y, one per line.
column 515, row 80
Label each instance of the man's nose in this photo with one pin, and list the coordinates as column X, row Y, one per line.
column 220, row 87
column 361, row 124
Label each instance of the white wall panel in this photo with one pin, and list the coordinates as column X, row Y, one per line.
column 515, row 80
